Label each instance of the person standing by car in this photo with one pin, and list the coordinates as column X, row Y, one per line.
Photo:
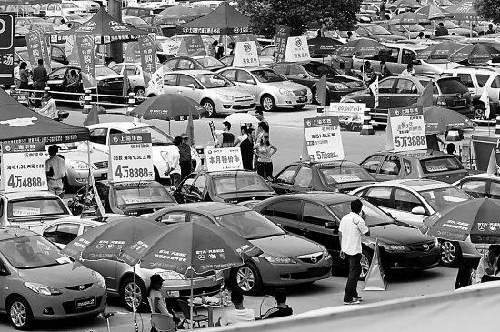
column 352, row 227
column 259, row 114
column 382, row 10
column 185, row 159
column 246, row 147
column 368, row 73
column 441, row 30
column 156, row 299
column 490, row 30
column 23, row 76
column 264, row 151
column 40, row 78
column 55, row 170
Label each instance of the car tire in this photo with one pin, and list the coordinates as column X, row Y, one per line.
column 209, row 107
column 450, row 253
column 247, row 279
column 140, row 93
column 366, row 260
column 129, row 286
column 19, row 313
column 267, row 102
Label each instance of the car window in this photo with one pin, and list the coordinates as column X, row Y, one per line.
column 452, row 85
column 185, row 80
column 482, row 79
column 441, row 164
column 174, row 217
column 304, row 177
column 443, row 198
column 495, row 190
column 496, row 82
column 408, row 56
column 407, row 166
column 286, row 209
column 286, row 176
column 389, row 55
column 372, row 164
column 476, row 188
column 57, row 52
column 185, row 64
column 171, row 63
column 58, row 74
column 62, row 233
column 281, row 69
column 230, row 74
column 466, row 79
column 244, row 77
column 405, row 200
column 316, row 214
column 170, row 79
column 199, row 184
column 379, row 196
column 386, row 86
column 99, row 135
column 21, row 210
column 391, row 166
column 405, row 86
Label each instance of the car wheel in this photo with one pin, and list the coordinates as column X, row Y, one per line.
column 140, row 93
column 209, row 107
column 366, row 260
column 247, row 279
column 20, row 314
column 133, row 293
column 267, row 102
column 81, row 100
column 450, row 253
column 479, row 113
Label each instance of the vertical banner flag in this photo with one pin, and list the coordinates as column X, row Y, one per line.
column 23, row 168
column 223, row 159
column 245, row 54
column 321, row 91
column 147, row 47
column 282, row 34
column 86, row 59
column 323, row 140
column 130, row 157
column 7, row 49
column 296, row 49
column 374, row 89
column 38, row 48
column 406, row 129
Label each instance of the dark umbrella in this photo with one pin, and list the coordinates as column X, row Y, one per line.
column 478, row 218
column 323, row 45
column 361, row 47
column 477, row 53
column 404, row 4
column 439, row 119
column 433, row 12
column 440, row 51
column 168, row 107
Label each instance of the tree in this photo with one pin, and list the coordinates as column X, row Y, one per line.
column 489, row 9
column 299, row 14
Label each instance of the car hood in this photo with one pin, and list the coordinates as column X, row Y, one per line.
column 231, row 90
column 95, row 155
column 289, row 85
column 65, row 275
column 398, row 235
column 286, row 246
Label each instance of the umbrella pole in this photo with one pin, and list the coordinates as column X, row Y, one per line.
column 191, row 304
column 136, row 328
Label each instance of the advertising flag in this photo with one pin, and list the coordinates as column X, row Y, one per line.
column 147, row 47
column 86, row 59
column 280, row 39
column 297, row 50
column 245, row 54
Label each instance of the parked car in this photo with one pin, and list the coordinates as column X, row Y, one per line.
column 119, row 276
column 62, row 9
column 139, row 23
column 287, row 259
column 270, row 89
column 480, row 185
column 317, row 216
column 135, row 76
column 264, row 60
column 224, row 186
column 417, row 164
column 87, row 6
column 403, row 91
column 377, row 32
column 214, row 92
column 339, row 176
column 30, row 209
column 309, row 74
column 197, row 62
column 411, row 201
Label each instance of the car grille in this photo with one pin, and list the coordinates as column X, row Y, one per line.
column 242, row 107
column 457, row 103
column 70, row 308
column 243, row 99
column 101, row 164
column 422, row 247
column 313, row 272
column 201, row 291
column 301, row 92
column 80, row 287
column 311, row 259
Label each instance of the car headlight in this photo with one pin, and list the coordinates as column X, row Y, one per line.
column 280, row 260
column 42, row 289
column 77, row 164
column 171, row 275
column 338, row 86
column 397, row 247
column 99, row 280
column 286, row 92
column 227, row 97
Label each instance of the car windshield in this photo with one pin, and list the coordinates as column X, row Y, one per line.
column 345, row 174
column 104, row 71
column 28, row 208
column 158, row 137
column 29, row 252
column 239, row 183
column 141, row 194
column 210, row 81
column 320, row 70
column 210, row 61
column 267, row 76
column 249, row 225
column 451, row 85
column 440, row 164
column 443, row 198
column 373, row 215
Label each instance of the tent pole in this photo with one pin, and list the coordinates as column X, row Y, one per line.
column 191, row 304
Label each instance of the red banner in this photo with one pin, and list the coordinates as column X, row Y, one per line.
column 86, row 59
column 147, row 47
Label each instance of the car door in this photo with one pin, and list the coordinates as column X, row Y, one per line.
column 247, row 81
column 406, row 93
column 386, row 91
column 283, row 182
column 56, row 79
column 477, row 188
column 390, row 168
column 321, row 226
column 404, row 202
column 373, row 163
column 286, row 213
column 188, row 87
column 169, row 84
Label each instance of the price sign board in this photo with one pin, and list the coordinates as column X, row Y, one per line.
column 245, row 54
column 351, row 112
column 130, row 157
column 223, row 159
column 296, row 49
column 407, row 128
column 323, row 140
column 23, row 167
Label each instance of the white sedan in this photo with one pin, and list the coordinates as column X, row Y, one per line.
column 271, row 90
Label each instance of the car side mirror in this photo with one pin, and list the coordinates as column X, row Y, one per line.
column 416, row 62
column 418, row 210
column 251, row 82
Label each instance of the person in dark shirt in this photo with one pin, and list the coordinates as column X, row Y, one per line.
column 281, row 309
column 490, row 30
column 185, row 157
column 40, row 79
column 247, row 147
column 441, row 30
column 23, row 76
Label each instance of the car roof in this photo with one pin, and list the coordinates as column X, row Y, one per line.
column 7, row 233
column 417, row 154
column 74, row 220
column 211, row 208
column 228, row 172
column 324, row 163
column 415, row 184
column 28, row 194
column 120, row 125
column 192, row 72
column 324, row 197
column 468, row 69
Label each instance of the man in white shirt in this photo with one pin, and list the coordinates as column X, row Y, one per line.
column 237, row 315
column 352, row 227
column 55, row 169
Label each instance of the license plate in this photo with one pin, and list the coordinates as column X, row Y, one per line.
column 85, row 303
column 302, row 99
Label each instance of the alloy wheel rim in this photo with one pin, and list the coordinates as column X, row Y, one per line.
column 18, row 314
column 133, row 295
column 208, row 107
column 267, row 103
column 448, row 252
column 365, row 266
column 245, row 278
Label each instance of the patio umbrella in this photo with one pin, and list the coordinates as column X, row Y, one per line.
column 478, row 218
column 440, row 51
column 477, row 53
column 361, row 47
column 463, row 11
column 168, row 107
column 433, row 12
column 323, row 45
column 409, row 18
column 404, row 4
column 439, row 119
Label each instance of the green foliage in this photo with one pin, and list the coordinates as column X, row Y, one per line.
column 300, row 14
column 489, row 9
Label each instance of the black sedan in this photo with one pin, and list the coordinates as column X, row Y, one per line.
column 317, row 216
column 197, row 62
column 223, row 186
column 341, row 176
column 309, row 73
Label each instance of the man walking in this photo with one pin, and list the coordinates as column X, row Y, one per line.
column 55, row 169
column 40, row 79
column 352, row 227
column 185, row 157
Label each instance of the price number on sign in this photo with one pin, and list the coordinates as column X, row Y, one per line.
column 409, row 141
column 18, row 181
column 124, row 172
